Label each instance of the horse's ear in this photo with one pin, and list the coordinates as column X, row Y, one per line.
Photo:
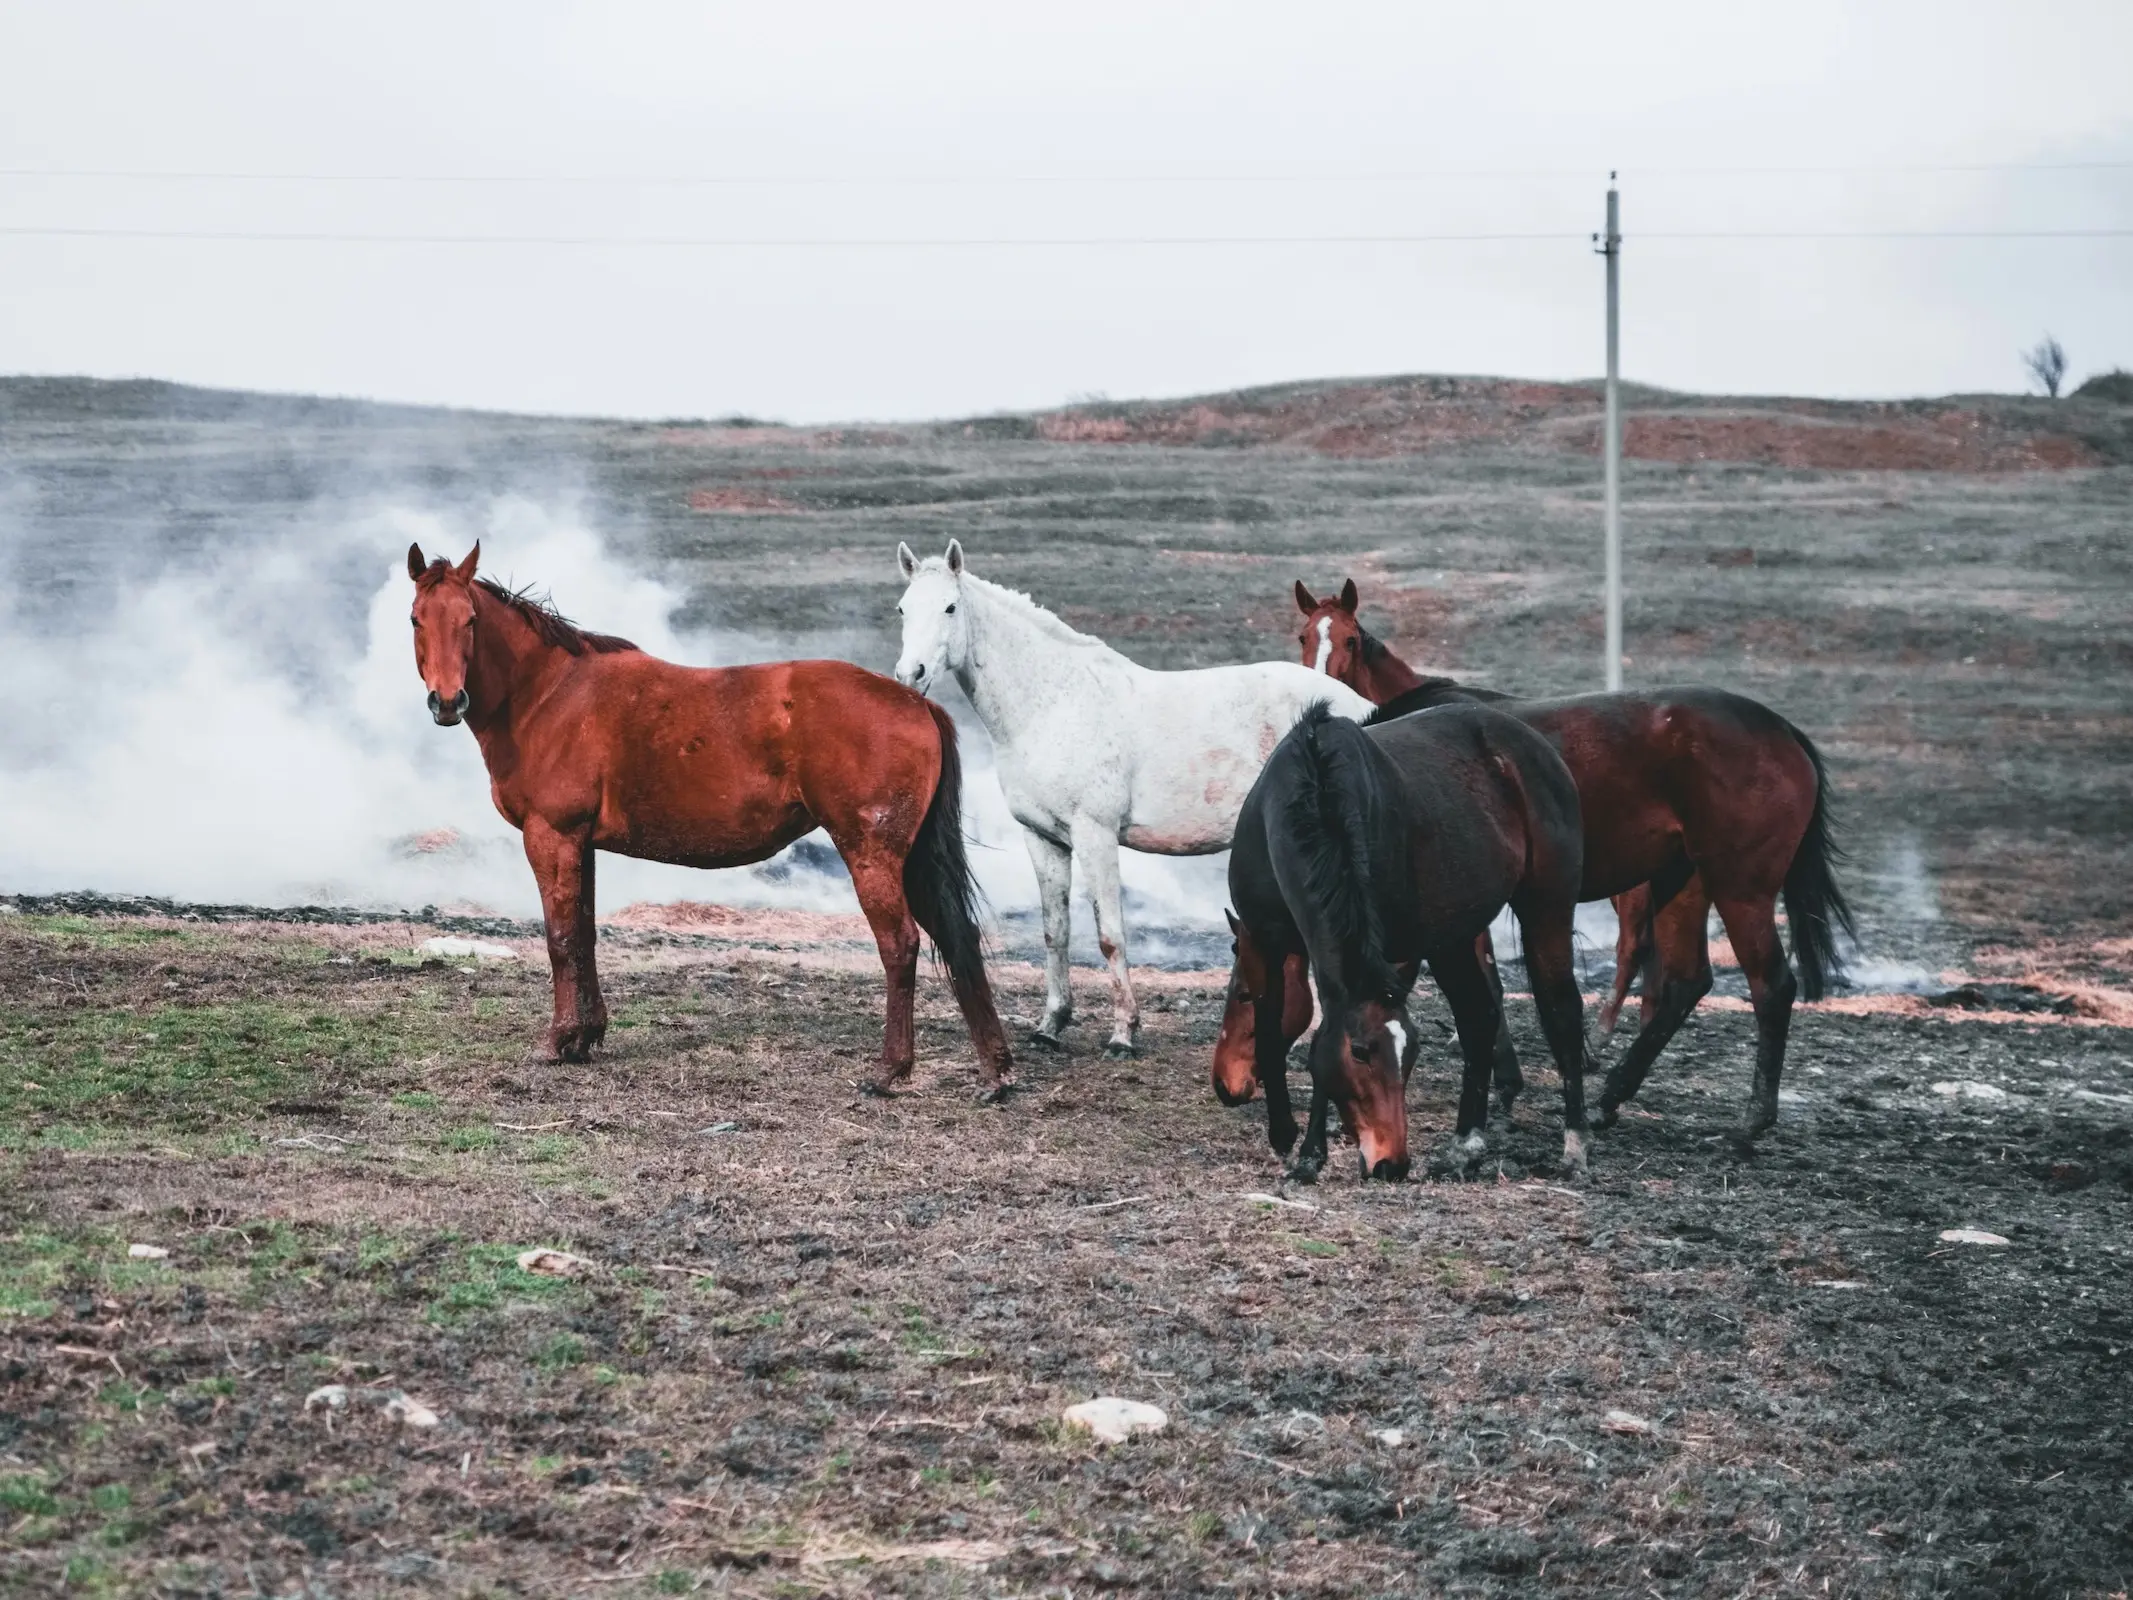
column 906, row 562
column 465, row 569
column 1306, row 602
column 1236, row 928
column 416, row 566
column 955, row 557
column 1348, row 596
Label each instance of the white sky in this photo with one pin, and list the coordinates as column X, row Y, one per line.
column 1071, row 113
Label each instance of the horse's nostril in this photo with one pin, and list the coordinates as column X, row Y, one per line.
column 436, row 702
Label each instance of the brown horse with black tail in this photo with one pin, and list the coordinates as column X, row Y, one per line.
column 593, row 745
column 1692, row 798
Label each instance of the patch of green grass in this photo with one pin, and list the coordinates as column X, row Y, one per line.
column 564, row 1350
column 1318, row 1247
column 551, row 1147
column 416, row 1100
column 469, row 1136
column 27, row 1494
column 89, row 1575
column 674, row 1580
column 36, row 1268
column 1203, row 1526
column 110, row 1497
column 173, row 1064
column 95, row 933
column 486, row 1277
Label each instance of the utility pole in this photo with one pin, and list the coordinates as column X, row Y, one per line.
column 1611, row 447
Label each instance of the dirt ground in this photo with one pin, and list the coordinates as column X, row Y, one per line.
column 823, row 1342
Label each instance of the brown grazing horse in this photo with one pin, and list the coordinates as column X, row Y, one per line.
column 1692, row 798
column 593, row 745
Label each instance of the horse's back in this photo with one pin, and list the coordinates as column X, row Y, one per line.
column 1196, row 741
column 739, row 760
column 1496, row 807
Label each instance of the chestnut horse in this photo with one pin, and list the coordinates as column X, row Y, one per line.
column 1692, row 798
column 593, row 745
column 1371, row 850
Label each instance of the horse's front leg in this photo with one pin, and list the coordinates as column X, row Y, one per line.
column 1311, row 1159
column 563, row 867
column 1097, row 849
column 1055, row 881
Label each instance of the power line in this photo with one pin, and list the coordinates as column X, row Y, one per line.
column 1010, row 180
column 1101, row 241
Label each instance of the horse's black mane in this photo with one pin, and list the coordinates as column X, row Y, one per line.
column 552, row 626
column 1429, row 692
column 1334, row 812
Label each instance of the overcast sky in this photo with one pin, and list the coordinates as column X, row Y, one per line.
column 995, row 121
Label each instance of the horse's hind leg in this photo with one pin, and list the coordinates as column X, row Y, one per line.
column 1509, row 1080
column 1682, row 955
column 1633, row 948
column 1549, row 966
column 1097, row 851
column 1752, row 926
column 1270, row 1056
column 1476, row 1014
column 563, row 867
column 878, row 880
column 1055, row 881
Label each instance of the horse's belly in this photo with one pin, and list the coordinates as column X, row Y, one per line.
column 1189, row 806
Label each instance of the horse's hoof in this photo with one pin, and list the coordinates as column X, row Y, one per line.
column 1047, row 1041
column 1607, row 1116
column 992, row 1094
column 1304, row 1172
column 1461, row 1157
column 888, row 1085
column 1121, row 1048
column 1575, row 1164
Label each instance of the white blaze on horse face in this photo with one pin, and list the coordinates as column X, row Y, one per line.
column 934, row 631
column 1399, row 1042
column 1325, row 644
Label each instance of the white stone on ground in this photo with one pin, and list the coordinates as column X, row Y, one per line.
column 1114, row 1420
column 446, row 945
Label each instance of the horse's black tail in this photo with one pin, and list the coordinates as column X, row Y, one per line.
column 1331, row 819
column 1814, row 905
column 938, row 885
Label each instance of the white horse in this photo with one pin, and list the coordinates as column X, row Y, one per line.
column 1096, row 751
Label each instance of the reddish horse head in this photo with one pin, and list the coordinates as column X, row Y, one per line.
column 593, row 745
column 1692, row 798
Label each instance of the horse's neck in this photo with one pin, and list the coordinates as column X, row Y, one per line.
column 512, row 665
column 1016, row 666
column 1389, row 676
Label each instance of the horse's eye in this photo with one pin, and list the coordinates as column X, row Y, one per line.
column 951, row 611
column 414, row 622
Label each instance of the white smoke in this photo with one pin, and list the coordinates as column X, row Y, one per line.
column 238, row 730
column 219, row 734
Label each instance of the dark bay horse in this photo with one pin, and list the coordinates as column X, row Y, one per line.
column 1367, row 851
column 593, row 745
column 1692, row 798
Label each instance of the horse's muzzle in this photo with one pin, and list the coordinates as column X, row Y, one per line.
column 912, row 678
column 447, row 715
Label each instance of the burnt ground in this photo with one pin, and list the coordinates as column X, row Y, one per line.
column 853, row 1382
column 825, row 1340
